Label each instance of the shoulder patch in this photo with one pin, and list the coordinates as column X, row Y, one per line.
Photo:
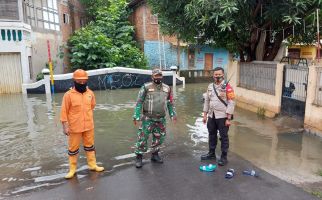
column 229, row 88
column 230, row 92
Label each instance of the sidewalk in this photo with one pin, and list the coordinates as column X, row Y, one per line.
column 178, row 178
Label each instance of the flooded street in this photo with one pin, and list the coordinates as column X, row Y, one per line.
column 33, row 147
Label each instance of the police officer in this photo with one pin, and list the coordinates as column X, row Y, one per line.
column 218, row 107
column 78, row 123
column 154, row 99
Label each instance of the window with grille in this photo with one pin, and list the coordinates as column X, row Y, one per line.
column 42, row 14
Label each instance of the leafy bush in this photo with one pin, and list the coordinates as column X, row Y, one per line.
column 107, row 41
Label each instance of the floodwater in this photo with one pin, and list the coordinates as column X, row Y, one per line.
column 33, row 148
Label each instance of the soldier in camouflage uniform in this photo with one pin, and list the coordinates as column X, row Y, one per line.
column 154, row 99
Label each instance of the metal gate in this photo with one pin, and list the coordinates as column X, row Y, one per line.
column 10, row 73
column 294, row 90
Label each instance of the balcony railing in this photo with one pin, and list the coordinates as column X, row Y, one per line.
column 14, row 32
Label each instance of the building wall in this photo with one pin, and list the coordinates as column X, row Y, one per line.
column 66, row 28
column 152, row 42
column 9, row 10
column 220, row 57
column 39, row 21
column 40, row 51
column 166, row 52
column 313, row 112
column 308, row 52
column 75, row 15
column 21, row 45
column 137, row 20
column 148, row 35
column 146, row 27
column 58, row 36
column 252, row 100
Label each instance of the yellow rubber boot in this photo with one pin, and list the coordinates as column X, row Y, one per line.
column 72, row 166
column 91, row 161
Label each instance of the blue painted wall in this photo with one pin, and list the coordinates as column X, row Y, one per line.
column 152, row 52
column 220, row 57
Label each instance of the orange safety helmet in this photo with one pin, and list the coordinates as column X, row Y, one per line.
column 80, row 74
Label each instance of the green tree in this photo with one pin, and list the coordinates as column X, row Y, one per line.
column 255, row 28
column 92, row 6
column 107, row 41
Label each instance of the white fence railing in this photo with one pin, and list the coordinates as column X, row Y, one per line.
column 46, row 80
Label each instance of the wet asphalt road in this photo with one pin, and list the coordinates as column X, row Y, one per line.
column 178, row 178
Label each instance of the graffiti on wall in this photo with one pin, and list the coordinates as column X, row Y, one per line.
column 117, row 81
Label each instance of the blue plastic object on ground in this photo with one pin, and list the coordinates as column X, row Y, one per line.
column 250, row 173
column 208, row 168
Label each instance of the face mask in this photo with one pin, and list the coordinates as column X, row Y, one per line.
column 157, row 81
column 81, row 88
column 218, row 79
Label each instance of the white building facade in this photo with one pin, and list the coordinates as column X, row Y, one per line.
column 15, row 47
column 25, row 28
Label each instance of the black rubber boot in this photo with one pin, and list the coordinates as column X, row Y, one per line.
column 209, row 156
column 156, row 158
column 138, row 162
column 223, row 159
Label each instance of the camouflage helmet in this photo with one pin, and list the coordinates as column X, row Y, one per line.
column 156, row 71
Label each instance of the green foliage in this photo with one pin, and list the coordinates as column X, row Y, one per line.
column 61, row 50
column 107, row 41
column 319, row 172
column 261, row 112
column 93, row 5
column 317, row 194
column 39, row 76
column 237, row 25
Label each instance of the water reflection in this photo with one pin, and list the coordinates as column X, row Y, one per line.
column 33, row 153
column 292, row 156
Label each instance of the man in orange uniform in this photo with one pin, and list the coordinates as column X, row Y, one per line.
column 78, row 123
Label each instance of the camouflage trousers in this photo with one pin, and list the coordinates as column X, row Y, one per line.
column 148, row 127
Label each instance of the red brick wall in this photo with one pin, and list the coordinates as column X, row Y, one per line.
column 136, row 20
column 151, row 30
column 76, row 12
column 66, row 29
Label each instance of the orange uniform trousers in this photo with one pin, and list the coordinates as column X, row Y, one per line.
column 74, row 141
